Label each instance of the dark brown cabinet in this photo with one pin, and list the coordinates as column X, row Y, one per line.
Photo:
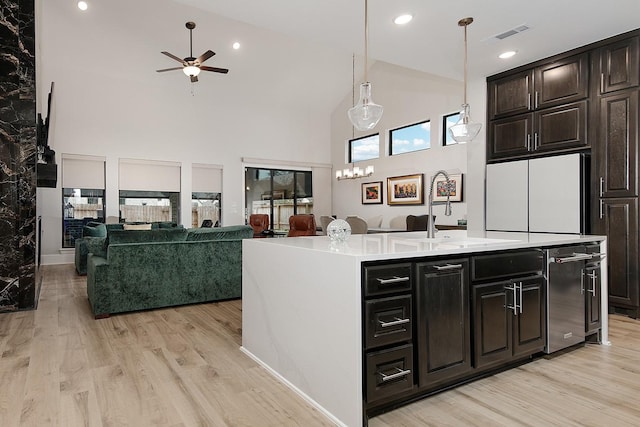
column 593, row 306
column 618, row 220
column 551, row 129
column 388, row 331
column 540, row 110
column 617, row 65
column 616, row 152
column 508, row 307
column 559, row 82
column 616, row 195
column 443, row 326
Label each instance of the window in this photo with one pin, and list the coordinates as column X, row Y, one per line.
column 279, row 194
column 364, row 148
column 410, row 138
column 149, row 190
column 448, row 121
column 206, row 196
column 82, row 194
column 205, row 206
column 79, row 206
column 149, row 206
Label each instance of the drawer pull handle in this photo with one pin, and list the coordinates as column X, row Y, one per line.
column 448, row 267
column 393, row 323
column 400, row 373
column 395, row 279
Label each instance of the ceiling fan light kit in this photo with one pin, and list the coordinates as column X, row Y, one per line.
column 465, row 130
column 366, row 114
column 192, row 66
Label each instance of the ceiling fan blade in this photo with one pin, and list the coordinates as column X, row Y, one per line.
column 214, row 69
column 208, row 54
column 194, row 79
column 169, row 69
column 172, row 56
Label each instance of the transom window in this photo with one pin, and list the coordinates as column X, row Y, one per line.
column 448, row 121
column 410, row 138
column 364, row 148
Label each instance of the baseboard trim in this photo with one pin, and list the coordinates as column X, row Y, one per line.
column 55, row 259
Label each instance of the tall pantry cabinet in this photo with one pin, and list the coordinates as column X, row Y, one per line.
column 616, row 74
column 586, row 100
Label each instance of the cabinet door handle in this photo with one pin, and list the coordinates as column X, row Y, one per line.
column 536, row 103
column 582, row 283
column 601, row 209
column 398, row 374
column 448, row 267
column 528, row 142
column 513, row 307
column 395, row 279
column 594, row 278
column 601, row 186
column 520, row 297
column 529, row 101
column 601, row 82
column 393, row 323
column 535, row 141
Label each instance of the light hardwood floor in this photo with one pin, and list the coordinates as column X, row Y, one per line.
column 183, row 367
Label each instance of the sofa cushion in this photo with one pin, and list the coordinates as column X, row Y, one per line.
column 220, row 233
column 142, row 236
column 96, row 246
column 94, row 229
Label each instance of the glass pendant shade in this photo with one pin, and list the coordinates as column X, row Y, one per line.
column 366, row 114
column 464, row 130
column 191, row 70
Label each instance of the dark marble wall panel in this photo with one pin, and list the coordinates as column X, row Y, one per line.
column 17, row 155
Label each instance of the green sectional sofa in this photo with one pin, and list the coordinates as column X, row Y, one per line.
column 88, row 244
column 144, row 269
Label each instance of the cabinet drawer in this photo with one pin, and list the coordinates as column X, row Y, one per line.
column 386, row 279
column 389, row 372
column 388, row 321
column 506, row 265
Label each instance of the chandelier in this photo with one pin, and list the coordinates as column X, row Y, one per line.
column 353, row 173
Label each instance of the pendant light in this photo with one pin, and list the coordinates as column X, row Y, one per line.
column 366, row 114
column 465, row 130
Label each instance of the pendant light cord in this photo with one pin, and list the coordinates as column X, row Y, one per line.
column 366, row 39
column 353, row 89
column 465, row 63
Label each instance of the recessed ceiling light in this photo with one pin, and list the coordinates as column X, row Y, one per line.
column 403, row 19
column 236, row 45
column 82, row 5
column 508, row 54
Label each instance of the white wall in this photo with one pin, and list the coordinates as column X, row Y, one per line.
column 109, row 101
column 408, row 96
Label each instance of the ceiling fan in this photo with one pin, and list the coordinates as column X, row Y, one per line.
column 192, row 66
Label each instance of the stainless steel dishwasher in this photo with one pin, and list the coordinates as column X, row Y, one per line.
column 565, row 296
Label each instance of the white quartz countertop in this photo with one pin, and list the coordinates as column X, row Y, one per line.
column 416, row 244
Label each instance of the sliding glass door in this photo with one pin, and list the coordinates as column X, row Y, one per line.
column 279, row 194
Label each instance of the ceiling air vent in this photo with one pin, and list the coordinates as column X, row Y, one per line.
column 512, row 32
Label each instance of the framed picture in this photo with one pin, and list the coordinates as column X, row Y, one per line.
column 405, row 190
column 440, row 188
column 372, row 193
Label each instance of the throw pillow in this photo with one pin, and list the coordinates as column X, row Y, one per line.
column 137, row 226
column 97, row 230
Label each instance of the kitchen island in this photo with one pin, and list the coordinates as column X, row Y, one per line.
column 308, row 305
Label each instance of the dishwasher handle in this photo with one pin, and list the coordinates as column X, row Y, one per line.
column 573, row 258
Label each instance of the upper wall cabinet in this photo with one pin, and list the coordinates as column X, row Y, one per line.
column 548, row 85
column 617, row 65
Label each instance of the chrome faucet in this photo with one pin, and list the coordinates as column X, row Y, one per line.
column 431, row 229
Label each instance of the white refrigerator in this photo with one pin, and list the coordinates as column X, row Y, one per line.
column 543, row 195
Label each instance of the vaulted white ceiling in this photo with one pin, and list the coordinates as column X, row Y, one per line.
column 432, row 42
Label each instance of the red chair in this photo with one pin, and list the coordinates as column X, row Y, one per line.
column 259, row 223
column 302, row 225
